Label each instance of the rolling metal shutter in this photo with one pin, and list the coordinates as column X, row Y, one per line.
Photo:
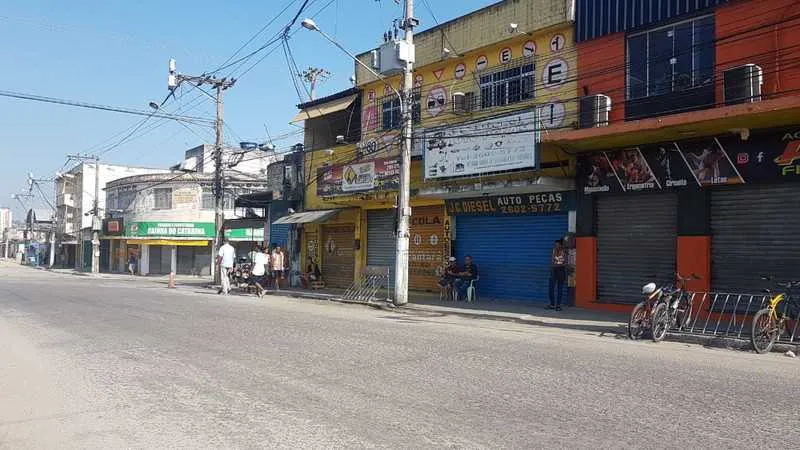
column 512, row 253
column 279, row 234
column 381, row 242
column 338, row 255
column 636, row 239
column 754, row 232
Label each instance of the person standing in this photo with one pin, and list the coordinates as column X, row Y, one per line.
column 558, row 274
column 260, row 267
column 225, row 261
column 132, row 263
column 277, row 266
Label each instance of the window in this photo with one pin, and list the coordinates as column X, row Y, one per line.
column 508, row 86
column 390, row 114
column 126, row 199
column 162, row 198
column 111, row 201
column 416, row 106
column 207, row 198
column 671, row 59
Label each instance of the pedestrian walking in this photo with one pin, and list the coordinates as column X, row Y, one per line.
column 132, row 263
column 259, row 272
column 225, row 261
column 558, row 274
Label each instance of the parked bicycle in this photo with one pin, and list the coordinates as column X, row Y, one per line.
column 642, row 314
column 769, row 323
column 674, row 308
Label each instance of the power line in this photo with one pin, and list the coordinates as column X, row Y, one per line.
column 122, row 110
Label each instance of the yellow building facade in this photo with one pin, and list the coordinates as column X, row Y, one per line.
column 500, row 76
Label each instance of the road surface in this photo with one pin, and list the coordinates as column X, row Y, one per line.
column 90, row 363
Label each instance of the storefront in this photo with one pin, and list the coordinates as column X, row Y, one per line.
column 720, row 207
column 510, row 238
column 381, row 240
column 338, row 255
column 163, row 247
column 429, row 247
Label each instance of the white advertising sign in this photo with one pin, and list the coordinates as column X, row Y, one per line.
column 358, row 177
column 492, row 145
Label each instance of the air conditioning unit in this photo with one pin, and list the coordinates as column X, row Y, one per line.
column 463, row 102
column 742, row 84
column 594, row 111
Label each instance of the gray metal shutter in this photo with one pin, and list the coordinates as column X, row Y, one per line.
column 754, row 232
column 381, row 242
column 636, row 239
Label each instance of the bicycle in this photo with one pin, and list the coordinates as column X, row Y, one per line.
column 768, row 323
column 642, row 313
column 674, row 308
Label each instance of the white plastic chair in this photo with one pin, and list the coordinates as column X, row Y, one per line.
column 472, row 290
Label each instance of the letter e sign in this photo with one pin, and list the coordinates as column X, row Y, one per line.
column 555, row 73
column 505, row 55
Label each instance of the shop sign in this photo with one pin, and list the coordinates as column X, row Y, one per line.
column 245, row 234
column 492, row 145
column 513, row 205
column 113, row 226
column 724, row 160
column 379, row 174
column 171, row 229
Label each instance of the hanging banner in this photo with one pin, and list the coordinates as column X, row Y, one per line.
column 768, row 156
column 492, row 145
column 379, row 174
column 170, row 229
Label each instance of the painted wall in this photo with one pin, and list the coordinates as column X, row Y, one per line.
column 769, row 44
column 751, row 32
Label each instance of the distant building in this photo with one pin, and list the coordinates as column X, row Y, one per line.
column 5, row 219
column 75, row 196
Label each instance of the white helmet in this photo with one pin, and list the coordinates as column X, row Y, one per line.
column 648, row 288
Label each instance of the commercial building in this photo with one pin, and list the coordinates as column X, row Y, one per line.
column 487, row 86
column 5, row 224
column 689, row 145
column 75, row 196
column 167, row 220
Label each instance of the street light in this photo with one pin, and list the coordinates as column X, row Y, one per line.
column 309, row 24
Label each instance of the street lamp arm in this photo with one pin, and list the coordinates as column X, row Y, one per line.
column 369, row 69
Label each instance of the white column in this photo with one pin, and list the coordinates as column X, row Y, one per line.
column 144, row 260
column 173, row 266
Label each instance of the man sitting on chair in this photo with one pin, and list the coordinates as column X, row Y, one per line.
column 465, row 277
column 449, row 274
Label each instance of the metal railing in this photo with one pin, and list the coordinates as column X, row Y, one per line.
column 730, row 315
column 373, row 280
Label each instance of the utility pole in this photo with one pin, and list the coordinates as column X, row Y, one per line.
column 404, row 216
column 96, row 220
column 220, row 85
column 312, row 76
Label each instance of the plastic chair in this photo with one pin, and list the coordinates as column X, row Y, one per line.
column 472, row 290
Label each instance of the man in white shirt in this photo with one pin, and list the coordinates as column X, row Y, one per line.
column 260, row 264
column 225, row 261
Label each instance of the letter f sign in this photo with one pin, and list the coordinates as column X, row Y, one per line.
column 790, row 154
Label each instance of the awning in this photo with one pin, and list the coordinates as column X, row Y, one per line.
column 306, row 217
column 312, row 112
column 174, row 242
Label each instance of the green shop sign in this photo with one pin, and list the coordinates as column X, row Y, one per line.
column 245, row 234
column 170, row 229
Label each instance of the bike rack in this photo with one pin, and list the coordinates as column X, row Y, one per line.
column 371, row 281
column 727, row 314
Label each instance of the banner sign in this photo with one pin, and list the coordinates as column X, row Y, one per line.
column 724, row 160
column 513, row 205
column 492, row 145
column 113, row 226
column 171, row 229
column 245, row 234
column 379, row 174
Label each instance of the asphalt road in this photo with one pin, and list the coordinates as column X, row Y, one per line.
column 88, row 363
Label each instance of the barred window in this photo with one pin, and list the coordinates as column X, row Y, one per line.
column 508, row 86
column 207, row 199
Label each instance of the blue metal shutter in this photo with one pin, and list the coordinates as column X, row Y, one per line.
column 512, row 253
column 279, row 234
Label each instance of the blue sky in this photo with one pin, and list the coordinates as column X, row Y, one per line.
column 115, row 52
